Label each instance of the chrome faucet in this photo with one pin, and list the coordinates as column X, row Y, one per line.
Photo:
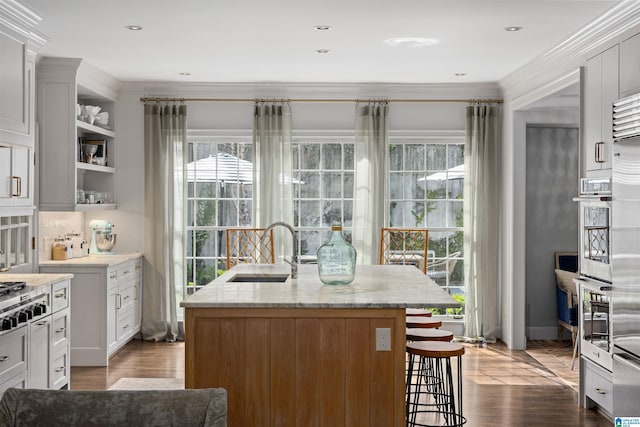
column 294, row 259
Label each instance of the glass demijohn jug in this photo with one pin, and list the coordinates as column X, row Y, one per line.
column 336, row 259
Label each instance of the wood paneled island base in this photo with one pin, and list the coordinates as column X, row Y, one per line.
column 299, row 367
column 302, row 353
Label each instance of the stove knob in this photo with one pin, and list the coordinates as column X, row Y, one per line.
column 6, row 324
column 37, row 309
column 14, row 321
column 29, row 311
column 22, row 317
column 44, row 308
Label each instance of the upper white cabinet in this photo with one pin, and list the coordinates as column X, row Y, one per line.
column 18, row 46
column 16, row 175
column 600, row 89
column 630, row 66
column 66, row 181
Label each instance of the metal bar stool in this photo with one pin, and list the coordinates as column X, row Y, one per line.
column 433, row 395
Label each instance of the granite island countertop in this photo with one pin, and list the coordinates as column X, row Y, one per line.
column 374, row 286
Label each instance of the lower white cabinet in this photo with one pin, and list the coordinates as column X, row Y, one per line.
column 596, row 386
column 105, row 307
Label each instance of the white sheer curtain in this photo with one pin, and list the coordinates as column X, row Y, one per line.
column 165, row 139
column 481, row 222
column 273, row 170
column 371, row 188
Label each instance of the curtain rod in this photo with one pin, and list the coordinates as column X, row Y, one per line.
column 151, row 99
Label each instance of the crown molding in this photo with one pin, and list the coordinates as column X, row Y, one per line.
column 314, row 90
column 18, row 17
column 572, row 52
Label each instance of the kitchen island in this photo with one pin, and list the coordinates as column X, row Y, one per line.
column 304, row 353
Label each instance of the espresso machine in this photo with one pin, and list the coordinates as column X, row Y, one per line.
column 102, row 237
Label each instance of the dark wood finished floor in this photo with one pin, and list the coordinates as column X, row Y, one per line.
column 501, row 387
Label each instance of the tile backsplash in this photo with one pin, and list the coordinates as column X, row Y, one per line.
column 56, row 224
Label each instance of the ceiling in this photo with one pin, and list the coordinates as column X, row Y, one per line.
column 275, row 40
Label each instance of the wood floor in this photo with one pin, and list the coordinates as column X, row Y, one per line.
column 501, row 387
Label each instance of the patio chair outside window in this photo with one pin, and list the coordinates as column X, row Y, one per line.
column 249, row 245
column 406, row 246
column 442, row 269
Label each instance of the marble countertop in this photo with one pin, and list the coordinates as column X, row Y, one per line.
column 35, row 279
column 92, row 261
column 375, row 286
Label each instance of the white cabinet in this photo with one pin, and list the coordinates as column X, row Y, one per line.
column 62, row 84
column 600, row 89
column 16, row 176
column 13, row 357
column 105, row 305
column 596, row 386
column 18, row 46
column 49, row 343
column 630, row 66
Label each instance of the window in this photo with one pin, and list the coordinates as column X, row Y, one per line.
column 324, row 193
column 219, row 195
column 426, row 183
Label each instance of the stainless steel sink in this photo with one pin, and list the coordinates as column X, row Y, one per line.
column 259, row 278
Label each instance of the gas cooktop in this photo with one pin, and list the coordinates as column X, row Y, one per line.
column 7, row 288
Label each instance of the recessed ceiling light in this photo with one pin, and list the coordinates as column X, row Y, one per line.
column 512, row 29
column 184, row 73
column 323, row 27
column 411, row 41
column 323, row 50
column 134, row 27
column 460, row 74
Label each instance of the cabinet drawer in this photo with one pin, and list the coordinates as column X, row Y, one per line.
column 598, row 387
column 61, row 333
column 59, row 371
column 127, row 296
column 19, row 381
column 60, row 299
column 126, row 270
column 112, row 277
column 125, row 324
column 13, row 353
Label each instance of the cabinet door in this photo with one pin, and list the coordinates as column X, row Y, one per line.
column 610, row 93
column 113, row 304
column 39, row 356
column 630, row 66
column 592, row 102
column 16, row 174
column 6, row 181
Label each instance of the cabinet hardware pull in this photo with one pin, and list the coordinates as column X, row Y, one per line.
column 44, row 322
column 4, row 358
column 60, row 330
column 119, row 301
column 18, row 192
column 599, row 158
column 125, row 272
column 60, row 369
column 126, row 297
column 62, row 295
column 600, row 391
column 113, row 276
column 125, row 327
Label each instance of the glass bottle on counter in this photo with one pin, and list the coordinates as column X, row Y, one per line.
column 337, row 259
